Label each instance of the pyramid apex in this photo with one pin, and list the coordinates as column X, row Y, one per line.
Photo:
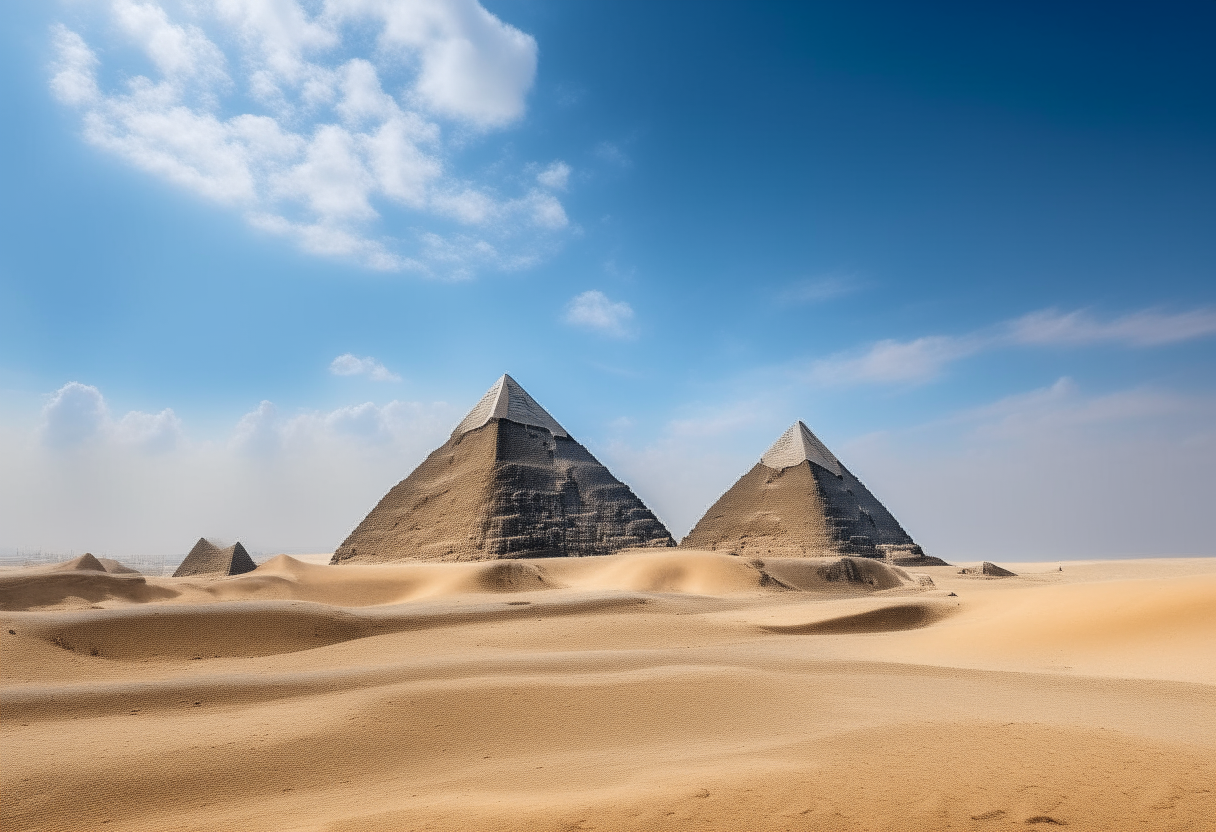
column 797, row 445
column 507, row 400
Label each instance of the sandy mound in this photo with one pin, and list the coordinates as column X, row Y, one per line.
column 31, row 590
column 115, row 568
column 884, row 619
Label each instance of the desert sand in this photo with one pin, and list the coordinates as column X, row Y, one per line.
column 656, row 689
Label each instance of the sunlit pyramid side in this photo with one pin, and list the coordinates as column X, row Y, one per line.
column 509, row 483
column 800, row 501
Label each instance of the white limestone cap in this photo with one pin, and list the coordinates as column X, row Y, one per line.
column 507, row 400
column 797, row 445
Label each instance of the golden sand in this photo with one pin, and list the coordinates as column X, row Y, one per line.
column 652, row 690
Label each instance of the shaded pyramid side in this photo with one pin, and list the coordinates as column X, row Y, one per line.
column 504, row 490
column 802, row 510
column 206, row 558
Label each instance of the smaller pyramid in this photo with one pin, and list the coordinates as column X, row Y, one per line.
column 989, row 569
column 800, row 501
column 85, row 563
column 207, row 558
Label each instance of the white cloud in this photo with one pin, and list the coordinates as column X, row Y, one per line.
column 179, row 52
column 593, row 310
column 331, row 151
column 924, row 359
column 154, row 432
column 817, row 290
column 350, row 365
column 555, row 177
column 77, row 415
column 894, row 361
column 73, row 80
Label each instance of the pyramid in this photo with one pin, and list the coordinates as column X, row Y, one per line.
column 989, row 569
column 207, row 558
column 800, row 501
column 85, row 563
column 509, row 483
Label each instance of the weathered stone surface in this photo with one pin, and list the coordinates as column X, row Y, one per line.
column 207, row 558
column 504, row 490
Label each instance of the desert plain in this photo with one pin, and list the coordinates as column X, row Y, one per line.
column 654, row 689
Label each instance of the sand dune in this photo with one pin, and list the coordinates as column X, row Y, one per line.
column 656, row 690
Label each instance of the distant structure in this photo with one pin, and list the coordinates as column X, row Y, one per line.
column 991, row 570
column 207, row 558
column 509, row 483
column 800, row 501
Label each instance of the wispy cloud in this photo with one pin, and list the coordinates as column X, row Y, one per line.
column 891, row 361
column 817, row 289
column 923, row 359
column 593, row 310
column 611, row 153
column 341, row 127
column 555, row 177
column 351, row 365
column 1147, row 328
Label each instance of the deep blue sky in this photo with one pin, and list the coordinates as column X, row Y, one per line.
column 772, row 189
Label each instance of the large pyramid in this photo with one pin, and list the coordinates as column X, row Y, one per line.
column 207, row 558
column 509, row 483
column 799, row 501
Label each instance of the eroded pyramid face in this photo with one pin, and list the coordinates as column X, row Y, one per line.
column 509, row 483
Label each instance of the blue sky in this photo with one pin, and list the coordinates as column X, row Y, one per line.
column 973, row 247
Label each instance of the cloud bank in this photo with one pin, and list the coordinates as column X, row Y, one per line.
column 337, row 129
column 79, row 478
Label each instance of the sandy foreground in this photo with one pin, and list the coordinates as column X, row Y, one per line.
column 650, row 690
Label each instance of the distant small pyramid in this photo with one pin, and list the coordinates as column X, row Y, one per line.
column 989, row 569
column 799, row 500
column 207, row 558
column 85, row 563
column 509, row 483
